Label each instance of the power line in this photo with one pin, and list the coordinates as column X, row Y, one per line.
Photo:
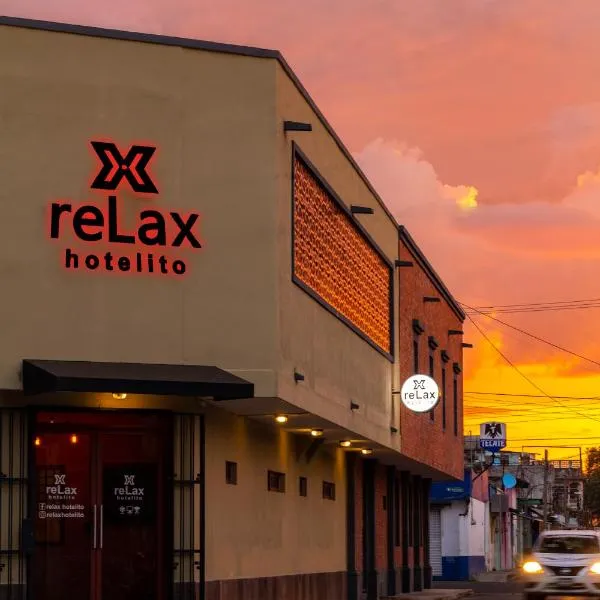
column 534, row 310
column 532, row 395
column 554, row 438
column 551, row 302
column 526, row 307
column 532, row 383
column 535, row 337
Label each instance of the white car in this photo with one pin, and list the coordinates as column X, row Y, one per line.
column 563, row 563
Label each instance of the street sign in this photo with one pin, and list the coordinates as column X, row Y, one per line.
column 492, row 436
column 420, row 393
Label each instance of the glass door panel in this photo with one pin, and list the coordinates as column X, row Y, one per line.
column 64, row 523
column 131, row 512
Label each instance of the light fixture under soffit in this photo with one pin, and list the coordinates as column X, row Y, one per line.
column 316, row 432
column 37, row 441
column 366, row 451
column 345, row 443
column 281, row 419
column 119, row 396
column 74, row 439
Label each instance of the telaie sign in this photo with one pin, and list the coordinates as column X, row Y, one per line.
column 420, row 393
column 492, row 436
column 119, row 246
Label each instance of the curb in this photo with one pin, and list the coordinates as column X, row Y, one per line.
column 432, row 594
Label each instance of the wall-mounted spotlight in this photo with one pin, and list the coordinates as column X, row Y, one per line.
column 361, row 210
column 298, row 377
column 445, row 356
column 345, row 443
column 281, row 419
column 354, row 405
column 431, row 299
column 465, row 345
column 455, row 332
column 119, row 396
column 366, row 451
column 296, row 126
column 393, row 429
column 316, row 432
column 404, row 263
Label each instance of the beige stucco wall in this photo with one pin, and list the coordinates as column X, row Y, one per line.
column 339, row 366
column 217, row 121
column 252, row 532
column 212, row 117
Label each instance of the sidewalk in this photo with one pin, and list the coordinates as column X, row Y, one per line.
column 498, row 576
column 432, row 594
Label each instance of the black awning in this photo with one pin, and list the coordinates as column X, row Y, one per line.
column 47, row 376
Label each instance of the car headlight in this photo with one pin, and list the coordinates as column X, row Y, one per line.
column 595, row 568
column 531, row 566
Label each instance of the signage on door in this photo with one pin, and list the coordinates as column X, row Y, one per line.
column 60, row 500
column 492, row 436
column 95, row 235
column 420, row 393
column 130, row 491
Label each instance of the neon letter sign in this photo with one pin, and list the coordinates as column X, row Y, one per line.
column 102, row 225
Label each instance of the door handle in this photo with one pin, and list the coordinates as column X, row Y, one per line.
column 95, row 532
column 101, row 525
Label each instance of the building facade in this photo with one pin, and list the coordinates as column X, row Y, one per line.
column 461, row 550
column 207, row 315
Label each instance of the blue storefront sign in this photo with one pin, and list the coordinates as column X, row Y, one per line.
column 447, row 491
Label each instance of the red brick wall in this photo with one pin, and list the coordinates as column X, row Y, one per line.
column 380, row 519
column 422, row 439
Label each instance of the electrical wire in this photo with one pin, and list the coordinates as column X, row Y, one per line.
column 533, row 395
column 532, row 383
column 527, row 307
column 535, row 337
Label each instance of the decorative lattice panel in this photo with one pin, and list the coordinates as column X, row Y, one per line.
column 334, row 260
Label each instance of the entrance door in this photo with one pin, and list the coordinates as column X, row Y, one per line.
column 100, row 507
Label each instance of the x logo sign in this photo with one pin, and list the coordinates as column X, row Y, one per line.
column 419, row 384
column 132, row 167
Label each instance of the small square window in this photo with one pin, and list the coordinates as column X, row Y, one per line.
column 276, row 481
column 328, row 490
column 303, row 486
column 231, row 472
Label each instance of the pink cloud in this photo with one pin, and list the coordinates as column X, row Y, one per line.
column 501, row 254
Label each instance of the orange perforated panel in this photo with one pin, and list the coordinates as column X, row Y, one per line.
column 335, row 261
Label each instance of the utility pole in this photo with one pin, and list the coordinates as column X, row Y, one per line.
column 545, row 500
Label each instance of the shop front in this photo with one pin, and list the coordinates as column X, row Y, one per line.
column 102, row 495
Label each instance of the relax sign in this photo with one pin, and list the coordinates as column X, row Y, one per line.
column 150, row 244
column 420, row 393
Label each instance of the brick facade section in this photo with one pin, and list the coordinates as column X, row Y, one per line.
column 422, row 439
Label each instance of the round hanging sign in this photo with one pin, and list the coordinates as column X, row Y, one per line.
column 420, row 393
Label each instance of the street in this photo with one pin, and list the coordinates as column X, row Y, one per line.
column 485, row 590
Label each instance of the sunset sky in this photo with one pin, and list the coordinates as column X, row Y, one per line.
column 479, row 123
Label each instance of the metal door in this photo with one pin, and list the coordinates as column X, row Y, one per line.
column 435, row 541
